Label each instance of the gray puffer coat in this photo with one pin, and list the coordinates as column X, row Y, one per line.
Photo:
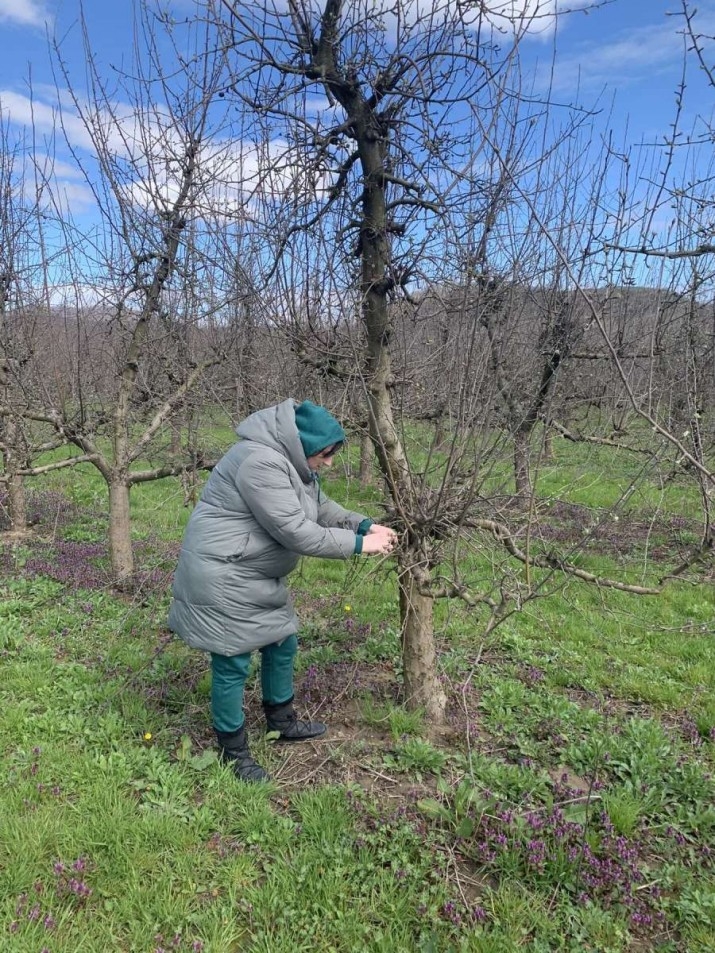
column 261, row 510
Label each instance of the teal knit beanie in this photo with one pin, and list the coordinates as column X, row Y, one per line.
column 317, row 428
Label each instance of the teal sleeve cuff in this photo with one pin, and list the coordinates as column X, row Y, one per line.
column 358, row 545
column 364, row 526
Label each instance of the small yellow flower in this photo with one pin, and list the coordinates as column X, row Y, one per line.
column 348, row 608
column 147, row 736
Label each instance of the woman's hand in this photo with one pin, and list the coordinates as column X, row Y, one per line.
column 379, row 529
column 379, row 540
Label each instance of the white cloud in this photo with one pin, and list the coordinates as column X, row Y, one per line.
column 528, row 18
column 43, row 117
column 74, row 196
column 148, row 148
column 61, row 169
column 231, row 176
column 628, row 58
column 23, row 12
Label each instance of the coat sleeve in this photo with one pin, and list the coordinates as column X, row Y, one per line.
column 266, row 489
column 331, row 513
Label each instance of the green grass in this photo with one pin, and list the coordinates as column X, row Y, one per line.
column 567, row 807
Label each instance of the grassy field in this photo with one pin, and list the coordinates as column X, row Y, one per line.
column 569, row 805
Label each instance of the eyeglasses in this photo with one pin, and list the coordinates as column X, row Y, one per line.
column 330, row 451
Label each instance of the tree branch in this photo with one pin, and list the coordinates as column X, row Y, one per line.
column 696, row 252
column 168, row 408
column 602, row 441
column 58, row 465
column 158, row 473
column 502, row 534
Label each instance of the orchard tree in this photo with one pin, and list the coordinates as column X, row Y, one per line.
column 25, row 334
column 16, row 222
column 662, row 226
column 154, row 285
column 372, row 149
column 373, row 110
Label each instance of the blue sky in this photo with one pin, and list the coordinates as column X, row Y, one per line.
column 627, row 49
column 631, row 51
column 624, row 58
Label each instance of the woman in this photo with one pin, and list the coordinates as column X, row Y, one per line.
column 261, row 510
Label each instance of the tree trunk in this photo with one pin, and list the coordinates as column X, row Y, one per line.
column 16, row 499
column 367, row 458
column 17, row 504
column 175, row 437
column 440, row 430
column 548, row 455
column 522, row 476
column 120, row 535
column 371, row 130
column 419, row 657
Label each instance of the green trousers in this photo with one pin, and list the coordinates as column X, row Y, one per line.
column 228, row 678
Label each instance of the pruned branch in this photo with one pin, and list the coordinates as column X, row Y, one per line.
column 601, row 441
column 158, row 473
column 697, row 252
column 502, row 534
column 168, row 408
column 49, row 467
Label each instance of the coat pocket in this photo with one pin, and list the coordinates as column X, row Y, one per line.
column 241, row 549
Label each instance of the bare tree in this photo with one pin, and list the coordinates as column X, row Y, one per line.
column 13, row 232
column 150, row 293
column 410, row 176
column 678, row 402
column 24, row 267
column 388, row 162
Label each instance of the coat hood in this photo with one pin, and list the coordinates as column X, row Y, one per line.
column 275, row 427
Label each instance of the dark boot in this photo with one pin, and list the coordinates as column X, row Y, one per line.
column 233, row 750
column 283, row 718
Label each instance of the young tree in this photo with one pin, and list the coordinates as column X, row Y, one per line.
column 24, row 309
column 160, row 271
column 678, row 402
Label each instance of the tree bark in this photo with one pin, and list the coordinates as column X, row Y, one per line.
column 549, row 455
column 522, row 453
column 16, row 497
column 367, row 458
column 120, row 535
column 419, row 656
column 175, row 437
